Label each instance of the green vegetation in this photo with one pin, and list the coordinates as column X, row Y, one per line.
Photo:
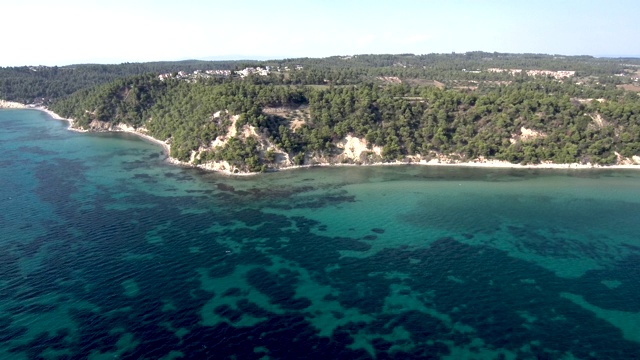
column 407, row 105
column 42, row 84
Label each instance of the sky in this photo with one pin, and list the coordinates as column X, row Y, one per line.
column 63, row 32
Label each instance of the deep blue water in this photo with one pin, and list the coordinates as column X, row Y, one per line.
column 109, row 252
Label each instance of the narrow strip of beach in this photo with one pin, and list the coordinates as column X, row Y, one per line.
column 118, row 128
column 476, row 163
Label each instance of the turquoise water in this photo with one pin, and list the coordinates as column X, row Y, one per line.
column 110, row 252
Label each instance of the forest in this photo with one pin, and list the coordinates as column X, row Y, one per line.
column 43, row 84
column 406, row 104
column 31, row 84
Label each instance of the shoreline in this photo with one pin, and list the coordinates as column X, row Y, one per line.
column 119, row 128
column 495, row 164
column 482, row 163
column 131, row 130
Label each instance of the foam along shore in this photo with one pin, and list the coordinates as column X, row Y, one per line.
column 436, row 160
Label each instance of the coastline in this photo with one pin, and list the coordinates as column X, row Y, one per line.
column 119, row 128
column 443, row 161
column 55, row 116
column 131, row 130
column 4, row 104
column 473, row 164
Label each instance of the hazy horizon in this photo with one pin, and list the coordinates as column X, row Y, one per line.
column 276, row 58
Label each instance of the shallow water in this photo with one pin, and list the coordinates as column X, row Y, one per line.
column 108, row 251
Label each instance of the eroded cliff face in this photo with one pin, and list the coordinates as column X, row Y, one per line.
column 103, row 126
column 97, row 125
column 264, row 145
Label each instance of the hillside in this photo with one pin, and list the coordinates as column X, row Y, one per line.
column 526, row 109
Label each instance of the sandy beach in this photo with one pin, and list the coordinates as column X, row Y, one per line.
column 11, row 105
column 119, row 128
column 56, row 117
column 131, row 130
column 475, row 164
column 440, row 161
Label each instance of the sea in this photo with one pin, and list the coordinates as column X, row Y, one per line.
column 107, row 251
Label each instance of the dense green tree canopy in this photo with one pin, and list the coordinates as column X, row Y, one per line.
column 405, row 104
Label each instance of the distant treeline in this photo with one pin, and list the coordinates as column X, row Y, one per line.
column 30, row 84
